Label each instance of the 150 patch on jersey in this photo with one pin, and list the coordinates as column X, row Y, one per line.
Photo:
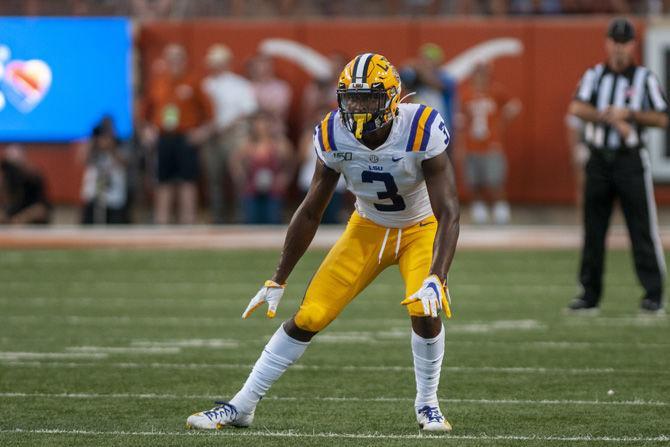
column 342, row 156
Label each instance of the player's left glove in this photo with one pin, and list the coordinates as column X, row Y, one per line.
column 270, row 293
column 433, row 296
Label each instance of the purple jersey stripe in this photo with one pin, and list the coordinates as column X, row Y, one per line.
column 319, row 137
column 331, row 134
column 426, row 130
column 415, row 124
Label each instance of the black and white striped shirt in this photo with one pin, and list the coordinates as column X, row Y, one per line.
column 636, row 88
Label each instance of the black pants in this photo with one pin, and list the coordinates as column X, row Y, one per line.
column 623, row 175
column 177, row 158
column 112, row 215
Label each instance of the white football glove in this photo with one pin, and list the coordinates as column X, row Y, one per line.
column 433, row 297
column 270, row 293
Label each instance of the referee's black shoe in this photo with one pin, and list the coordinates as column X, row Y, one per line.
column 652, row 307
column 579, row 306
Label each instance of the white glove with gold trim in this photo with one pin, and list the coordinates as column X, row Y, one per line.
column 270, row 293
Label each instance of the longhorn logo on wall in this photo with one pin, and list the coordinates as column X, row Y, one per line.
column 24, row 83
column 459, row 67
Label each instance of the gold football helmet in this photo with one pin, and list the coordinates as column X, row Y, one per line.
column 368, row 93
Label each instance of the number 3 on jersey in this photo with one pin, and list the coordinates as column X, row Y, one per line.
column 391, row 191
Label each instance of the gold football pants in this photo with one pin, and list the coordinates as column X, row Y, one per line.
column 362, row 252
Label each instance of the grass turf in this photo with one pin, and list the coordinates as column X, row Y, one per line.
column 116, row 347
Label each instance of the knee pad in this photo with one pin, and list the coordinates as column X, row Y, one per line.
column 313, row 318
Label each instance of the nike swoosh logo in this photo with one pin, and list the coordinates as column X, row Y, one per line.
column 423, row 224
column 396, row 159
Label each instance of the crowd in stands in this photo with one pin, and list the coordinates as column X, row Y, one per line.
column 179, row 9
column 222, row 148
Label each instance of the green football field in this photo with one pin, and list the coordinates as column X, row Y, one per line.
column 113, row 347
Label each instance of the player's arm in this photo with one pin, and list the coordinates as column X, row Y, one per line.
column 305, row 221
column 299, row 235
column 434, row 293
column 441, row 185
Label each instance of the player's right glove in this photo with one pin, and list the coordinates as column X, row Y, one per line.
column 270, row 293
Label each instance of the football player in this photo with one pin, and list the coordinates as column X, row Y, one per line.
column 393, row 159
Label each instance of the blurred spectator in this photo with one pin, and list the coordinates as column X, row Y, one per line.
column 180, row 9
column 233, row 101
column 273, row 94
column 151, row 9
column 433, row 86
column 535, row 7
column 487, row 111
column 414, row 7
column 23, row 198
column 104, row 188
column 307, row 162
column 321, row 94
column 263, row 170
column 181, row 113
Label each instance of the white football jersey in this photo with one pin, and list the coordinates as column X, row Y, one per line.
column 387, row 181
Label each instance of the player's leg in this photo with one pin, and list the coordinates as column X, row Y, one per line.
column 636, row 193
column 349, row 266
column 598, row 203
column 427, row 332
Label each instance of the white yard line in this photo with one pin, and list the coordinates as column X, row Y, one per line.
column 294, row 434
column 124, row 350
column 337, row 337
column 150, row 396
column 337, row 368
column 251, row 285
column 214, row 343
column 20, row 356
column 472, row 327
column 235, row 291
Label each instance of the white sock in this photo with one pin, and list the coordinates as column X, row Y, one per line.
column 280, row 353
column 428, row 354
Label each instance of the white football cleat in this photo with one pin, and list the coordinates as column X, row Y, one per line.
column 431, row 419
column 218, row 417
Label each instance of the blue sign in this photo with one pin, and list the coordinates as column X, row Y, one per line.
column 60, row 76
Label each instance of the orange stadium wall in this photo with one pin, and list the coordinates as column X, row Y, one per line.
column 544, row 76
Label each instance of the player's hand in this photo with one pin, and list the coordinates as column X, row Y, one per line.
column 270, row 293
column 433, row 297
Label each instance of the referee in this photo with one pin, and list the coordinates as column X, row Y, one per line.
column 617, row 100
